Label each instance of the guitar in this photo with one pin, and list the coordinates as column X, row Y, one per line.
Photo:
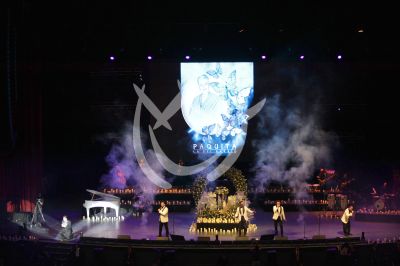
column 323, row 181
column 343, row 184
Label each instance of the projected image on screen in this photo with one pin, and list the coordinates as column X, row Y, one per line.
column 215, row 98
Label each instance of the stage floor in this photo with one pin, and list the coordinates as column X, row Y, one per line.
column 294, row 228
column 299, row 225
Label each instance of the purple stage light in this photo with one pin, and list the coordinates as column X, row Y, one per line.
column 301, row 57
column 263, row 57
column 187, row 57
column 149, row 57
column 339, row 57
column 112, row 58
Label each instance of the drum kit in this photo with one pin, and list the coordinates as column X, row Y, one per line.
column 383, row 202
column 331, row 201
column 343, row 201
column 337, row 202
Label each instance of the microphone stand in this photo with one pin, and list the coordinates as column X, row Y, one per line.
column 173, row 221
column 319, row 224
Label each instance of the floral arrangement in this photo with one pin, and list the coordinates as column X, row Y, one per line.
column 198, row 188
column 221, row 190
column 238, row 179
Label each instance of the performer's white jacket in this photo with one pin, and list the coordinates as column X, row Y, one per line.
column 163, row 211
column 346, row 216
column 243, row 212
column 64, row 223
column 278, row 212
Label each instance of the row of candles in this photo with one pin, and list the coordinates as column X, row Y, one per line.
column 128, row 191
column 376, row 212
column 17, row 237
column 103, row 219
column 289, row 190
column 297, row 202
column 384, row 240
column 332, row 215
column 158, row 202
column 193, row 229
column 173, row 202
column 217, row 220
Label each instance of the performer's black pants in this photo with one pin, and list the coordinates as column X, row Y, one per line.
column 242, row 226
column 66, row 233
column 276, row 222
column 160, row 228
column 346, row 228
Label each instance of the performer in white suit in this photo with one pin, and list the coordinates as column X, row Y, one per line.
column 348, row 213
column 242, row 212
column 163, row 211
column 278, row 217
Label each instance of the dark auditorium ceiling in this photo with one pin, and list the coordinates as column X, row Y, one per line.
column 89, row 29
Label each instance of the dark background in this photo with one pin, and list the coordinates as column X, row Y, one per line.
column 61, row 96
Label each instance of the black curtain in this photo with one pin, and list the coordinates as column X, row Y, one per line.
column 21, row 113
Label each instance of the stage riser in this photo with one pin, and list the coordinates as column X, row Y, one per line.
column 377, row 218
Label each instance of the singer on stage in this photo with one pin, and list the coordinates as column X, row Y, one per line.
column 242, row 212
column 278, row 217
column 347, row 214
column 163, row 211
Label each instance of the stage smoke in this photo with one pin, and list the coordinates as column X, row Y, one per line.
column 290, row 146
column 125, row 170
column 200, row 157
column 300, row 217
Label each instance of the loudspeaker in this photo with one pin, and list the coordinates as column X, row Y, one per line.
column 124, row 237
column 203, row 238
column 242, row 238
column 162, row 238
column 177, row 238
column 280, row 238
column 318, row 237
column 267, row 237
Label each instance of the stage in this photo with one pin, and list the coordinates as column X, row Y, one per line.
column 299, row 225
column 146, row 227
